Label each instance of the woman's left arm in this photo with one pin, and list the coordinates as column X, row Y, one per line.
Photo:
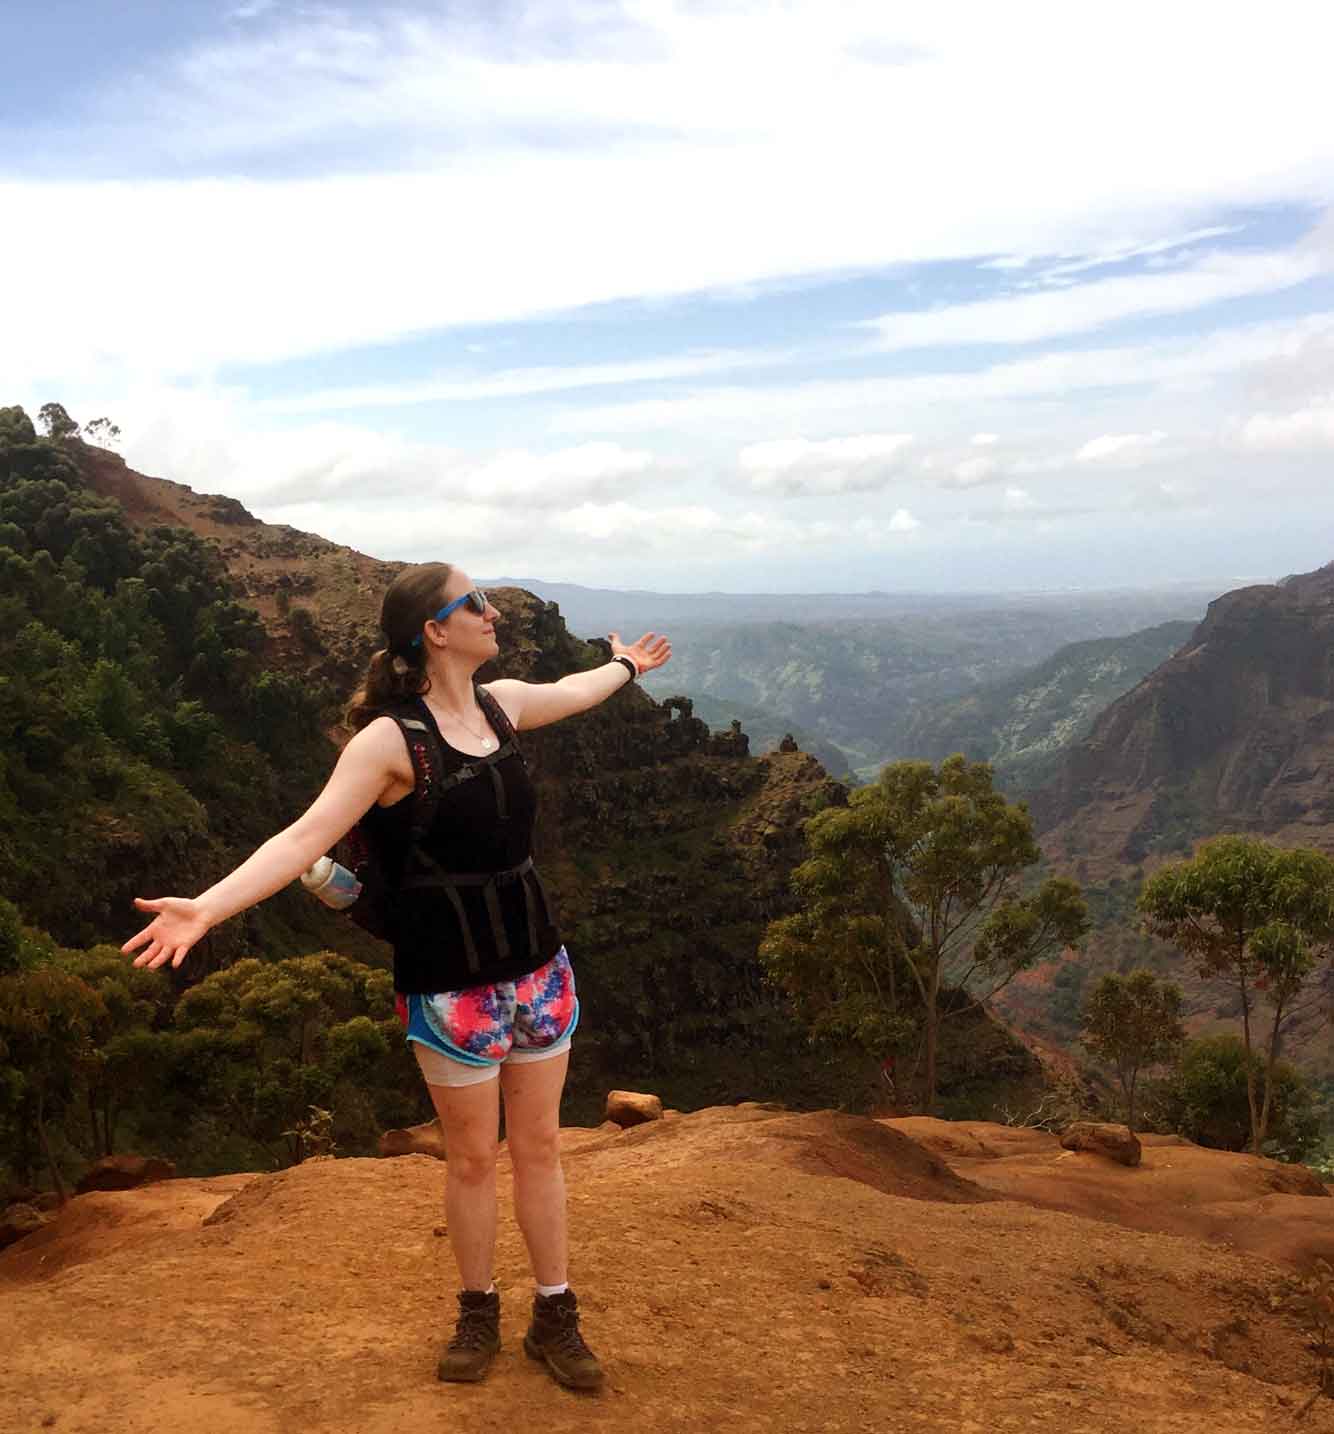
column 535, row 704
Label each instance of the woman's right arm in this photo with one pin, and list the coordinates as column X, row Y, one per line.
column 371, row 761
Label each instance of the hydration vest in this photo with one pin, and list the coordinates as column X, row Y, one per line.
column 421, row 873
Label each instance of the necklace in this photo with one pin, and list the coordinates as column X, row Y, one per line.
column 486, row 742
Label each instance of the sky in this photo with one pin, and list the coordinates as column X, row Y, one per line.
column 803, row 296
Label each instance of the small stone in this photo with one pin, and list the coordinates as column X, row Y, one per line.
column 823, row 1285
column 441, row 1230
column 628, row 1107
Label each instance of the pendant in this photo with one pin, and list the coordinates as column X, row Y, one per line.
column 487, row 744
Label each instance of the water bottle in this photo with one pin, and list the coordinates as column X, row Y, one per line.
column 335, row 885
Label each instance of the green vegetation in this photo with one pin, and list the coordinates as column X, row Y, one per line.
column 911, row 889
column 1133, row 1022
column 144, row 746
column 1022, row 724
column 1009, row 685
column 1207, row 1098
column 1260, row 920
column 243, row 1071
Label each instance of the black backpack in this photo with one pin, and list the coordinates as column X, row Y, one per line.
column 371, row 909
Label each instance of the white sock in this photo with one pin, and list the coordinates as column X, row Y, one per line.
column 548, row 1290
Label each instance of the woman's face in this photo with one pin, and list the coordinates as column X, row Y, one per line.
column 467, row 632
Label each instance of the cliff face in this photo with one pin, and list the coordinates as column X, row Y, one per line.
column 1234, row 732
column 667, row 848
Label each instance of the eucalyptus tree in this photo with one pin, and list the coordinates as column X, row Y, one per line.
column 1260, row 919
column 1133, row 1022
column 919, row 884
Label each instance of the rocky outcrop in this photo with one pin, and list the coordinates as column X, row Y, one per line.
column 1116, row 1142
column 124, row 1172
column 1234, row 732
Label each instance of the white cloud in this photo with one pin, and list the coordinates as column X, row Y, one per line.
column 984, row 440
column 798, row 467
column 522, row 382
column 1031, row 317
column 964, row 395
column 1120, row 448
column 212, row 442
column 972, row 471
column 1309, row 429
column 531, row 161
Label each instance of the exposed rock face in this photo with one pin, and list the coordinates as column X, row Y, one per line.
column 1116, row 1142
column 426, row 1139
column 628, row 1107
column 1235, row 732
column 124, row 1172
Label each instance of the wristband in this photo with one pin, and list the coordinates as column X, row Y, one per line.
column 630, row 665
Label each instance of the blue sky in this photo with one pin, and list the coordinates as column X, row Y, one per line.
column 696, row 296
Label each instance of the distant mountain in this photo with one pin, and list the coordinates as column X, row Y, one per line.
column 867, row 684
column 1233, row 733
column 592, row 612
column 1023, row 724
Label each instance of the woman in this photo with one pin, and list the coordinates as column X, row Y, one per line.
column 484, row 985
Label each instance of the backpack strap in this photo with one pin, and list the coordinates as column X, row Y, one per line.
column 427, row 761
column 500, row 723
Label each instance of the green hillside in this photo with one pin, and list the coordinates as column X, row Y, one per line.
column 1023, row 723
column 871, row 687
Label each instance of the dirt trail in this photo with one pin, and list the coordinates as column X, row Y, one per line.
column 738, row 1267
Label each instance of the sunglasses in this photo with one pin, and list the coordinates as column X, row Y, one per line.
column 476, row 600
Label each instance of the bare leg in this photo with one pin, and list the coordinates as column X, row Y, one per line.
column 532, row 1127
column 470, row 1118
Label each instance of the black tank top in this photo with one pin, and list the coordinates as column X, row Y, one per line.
column 470, row 837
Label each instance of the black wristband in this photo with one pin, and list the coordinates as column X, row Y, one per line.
column 628, row 663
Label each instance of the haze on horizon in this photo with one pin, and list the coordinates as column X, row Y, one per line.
column 684, row 297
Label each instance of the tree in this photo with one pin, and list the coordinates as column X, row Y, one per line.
column 269, row 1041
column 57, row 423
column 917, row 883
column 1133, row 1022
column 1205, row 1098
column 1259, row 919
column 102, row 432
column 46, row 1017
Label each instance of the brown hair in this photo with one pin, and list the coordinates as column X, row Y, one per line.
column 398, row 670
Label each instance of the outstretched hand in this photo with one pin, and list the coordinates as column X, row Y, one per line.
column 651, row 651
column 178, row 925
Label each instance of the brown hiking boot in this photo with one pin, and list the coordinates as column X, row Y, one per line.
column 476, row 1337
column 554, row 1336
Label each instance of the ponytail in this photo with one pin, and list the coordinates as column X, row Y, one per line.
column 397, row 672
column 389, row 679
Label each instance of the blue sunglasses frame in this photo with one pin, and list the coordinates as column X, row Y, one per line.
column 476, row 599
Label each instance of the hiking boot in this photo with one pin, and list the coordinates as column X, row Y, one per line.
column 476, row 1339
column 554, row 1336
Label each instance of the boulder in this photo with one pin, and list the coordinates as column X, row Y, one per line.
column 426, row 1139
column 1116, row 1142
column 124, row 1172
column 18, row 1221
column 628, row 1107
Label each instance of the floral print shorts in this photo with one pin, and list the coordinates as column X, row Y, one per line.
column 464, row 1037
